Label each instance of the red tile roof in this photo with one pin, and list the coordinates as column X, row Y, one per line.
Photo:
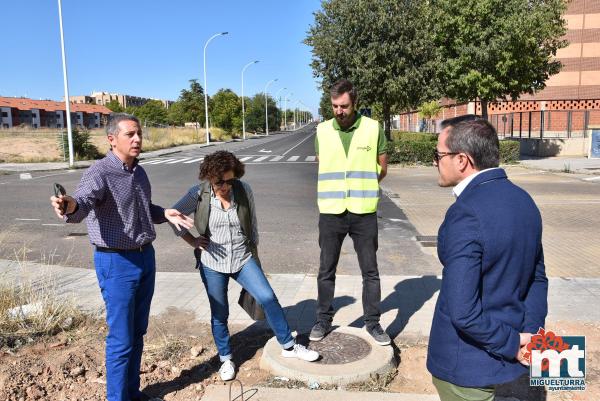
column 50, row 105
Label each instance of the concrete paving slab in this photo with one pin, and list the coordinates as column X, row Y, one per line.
column 407, row 301
column 221, row 392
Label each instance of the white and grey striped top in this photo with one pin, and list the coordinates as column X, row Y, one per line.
column 227, row 251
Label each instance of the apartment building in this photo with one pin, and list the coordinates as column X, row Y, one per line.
column 16, row 112
column 103, row 98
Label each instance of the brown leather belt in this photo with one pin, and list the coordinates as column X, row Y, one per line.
column 116, row 250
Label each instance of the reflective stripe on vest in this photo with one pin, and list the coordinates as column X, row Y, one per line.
column 348, row 182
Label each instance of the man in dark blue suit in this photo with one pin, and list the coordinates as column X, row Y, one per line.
column 494, row 286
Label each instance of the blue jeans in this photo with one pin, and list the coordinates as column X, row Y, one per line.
column 126, row 280
column 252, row 278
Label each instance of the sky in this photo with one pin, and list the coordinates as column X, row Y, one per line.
column 153, row 48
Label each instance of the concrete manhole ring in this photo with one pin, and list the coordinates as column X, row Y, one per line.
column 339, row 348
column 348, row 355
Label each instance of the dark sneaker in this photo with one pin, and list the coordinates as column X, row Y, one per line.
column 319, row 331
column 379, row 335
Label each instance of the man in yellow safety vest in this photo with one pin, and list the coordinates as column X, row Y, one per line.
column 352, row 160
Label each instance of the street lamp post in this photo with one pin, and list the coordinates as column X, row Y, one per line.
column 276, row 97
column 266, row 104
column 205, row 88
column 285, row 111
column 66, row 84
column 304, row 113
column 243, row 109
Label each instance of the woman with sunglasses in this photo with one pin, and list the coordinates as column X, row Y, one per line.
column 226, row 219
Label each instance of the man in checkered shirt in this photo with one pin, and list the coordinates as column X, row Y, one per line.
column 114, row 196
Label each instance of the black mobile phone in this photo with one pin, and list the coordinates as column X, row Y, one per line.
column 60, row 190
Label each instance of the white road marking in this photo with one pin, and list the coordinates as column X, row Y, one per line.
column 194, row 160
column 290, row 149
column 310, row 158
column 592, row 178
column 260, row 159
column 276, row 158
column 264, row 151
column 178, row 160
column 293, row 158
column 243, row 159
column 28, row 219
column 161, row 161
column 54, row 225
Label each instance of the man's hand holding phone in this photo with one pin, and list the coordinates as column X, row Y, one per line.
column 61, row 202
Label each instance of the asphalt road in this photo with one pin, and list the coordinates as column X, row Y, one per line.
column 280, row 168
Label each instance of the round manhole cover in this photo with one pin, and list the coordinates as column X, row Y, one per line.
column 340, row 348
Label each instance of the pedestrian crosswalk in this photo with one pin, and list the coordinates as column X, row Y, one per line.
column 245, row 159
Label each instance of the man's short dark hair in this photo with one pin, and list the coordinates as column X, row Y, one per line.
column 112, row 127
column 478, row 139
column 449, row 122
column 343, row 86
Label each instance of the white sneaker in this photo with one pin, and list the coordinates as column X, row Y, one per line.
column 301, row 352
column 227, row 370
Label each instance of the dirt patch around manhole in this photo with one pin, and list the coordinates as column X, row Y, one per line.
column 180, row 360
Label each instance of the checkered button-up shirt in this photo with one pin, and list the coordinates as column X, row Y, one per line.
column 227, row 250
column 117, row 203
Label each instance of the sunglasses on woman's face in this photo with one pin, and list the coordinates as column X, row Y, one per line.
column 220, row 183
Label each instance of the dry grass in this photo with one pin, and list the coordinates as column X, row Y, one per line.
column 31, row 308
column 21, row 145
column 377, row 382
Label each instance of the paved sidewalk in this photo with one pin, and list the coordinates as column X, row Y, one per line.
column 579, row 165
column 569, row 204
column 407, row 301
column 221, row 392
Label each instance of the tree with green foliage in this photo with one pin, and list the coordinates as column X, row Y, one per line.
column 429, row 110
column 189, row 107
column 115, row 106
column 384, row 47
column 226, row 111
column 175, row 114
column 152, row 112
column 255, row 113
column 494, row 49
column 325, row 106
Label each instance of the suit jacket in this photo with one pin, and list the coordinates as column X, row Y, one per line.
column 494, row 284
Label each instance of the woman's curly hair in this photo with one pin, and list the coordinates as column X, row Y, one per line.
column 218, row 163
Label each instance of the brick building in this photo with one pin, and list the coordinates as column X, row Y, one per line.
column 48, row 113
column 557, row 120
column 104, row 98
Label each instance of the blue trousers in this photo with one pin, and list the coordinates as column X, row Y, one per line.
column 252, row 278
column 126, row 280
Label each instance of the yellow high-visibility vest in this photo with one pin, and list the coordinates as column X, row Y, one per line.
column 348, row 182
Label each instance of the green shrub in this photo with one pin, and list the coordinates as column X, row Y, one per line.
column 411, row 152
column 421, row 151
column 82, row 146
column 412, row 136
column 510, row 151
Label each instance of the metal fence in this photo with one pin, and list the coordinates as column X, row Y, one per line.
column 544, row 124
